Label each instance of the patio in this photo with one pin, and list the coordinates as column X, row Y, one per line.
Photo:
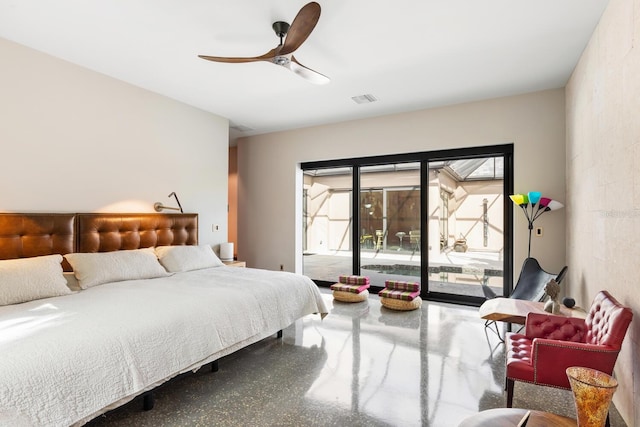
column 451, row 272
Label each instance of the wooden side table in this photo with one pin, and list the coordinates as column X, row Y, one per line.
column 511, row 310
column 510, row 417
column 235, row 263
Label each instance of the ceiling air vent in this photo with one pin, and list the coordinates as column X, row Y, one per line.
column 364, row 99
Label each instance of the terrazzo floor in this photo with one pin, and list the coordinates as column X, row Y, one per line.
column 363, row 365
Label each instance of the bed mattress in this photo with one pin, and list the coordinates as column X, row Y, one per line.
column 65, row 360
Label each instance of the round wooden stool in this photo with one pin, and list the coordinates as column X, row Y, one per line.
column 510, row 417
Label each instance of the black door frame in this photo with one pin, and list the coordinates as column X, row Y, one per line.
column 503, row 150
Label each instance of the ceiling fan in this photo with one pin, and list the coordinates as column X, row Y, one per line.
column 293, row 36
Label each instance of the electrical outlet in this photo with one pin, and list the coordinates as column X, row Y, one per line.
column 281, row 267
column 539, row 232
column 215, row 227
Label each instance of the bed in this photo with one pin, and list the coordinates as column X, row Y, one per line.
column 143, row 304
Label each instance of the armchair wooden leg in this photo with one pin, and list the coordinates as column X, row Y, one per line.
column 509, row 393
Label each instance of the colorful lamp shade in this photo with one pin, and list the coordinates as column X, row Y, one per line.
column 534, row 196
column 554, row 205
column 544, row 201
column 518, row 199
column 532, row 212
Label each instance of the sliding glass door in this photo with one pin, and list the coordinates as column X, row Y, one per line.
column 466, row 226
column 328, row 243
column 390, row 222
column 439, row 218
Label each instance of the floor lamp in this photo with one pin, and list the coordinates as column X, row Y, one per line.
column 534, row 205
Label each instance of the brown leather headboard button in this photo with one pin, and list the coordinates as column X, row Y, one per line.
column 28, row 235
column 103, row 232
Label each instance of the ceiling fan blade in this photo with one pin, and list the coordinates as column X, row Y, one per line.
column 266, row 57
column 302, row 25
column 307, row 73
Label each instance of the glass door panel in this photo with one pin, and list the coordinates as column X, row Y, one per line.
column 465, row 226
column 371, row 218
column 390, row 222
column 327, row 223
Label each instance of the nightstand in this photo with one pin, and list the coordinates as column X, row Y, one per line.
column 235, row 263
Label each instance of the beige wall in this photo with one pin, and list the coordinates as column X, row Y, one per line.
column 270, row 183
column 73, row 140
column 603, row 188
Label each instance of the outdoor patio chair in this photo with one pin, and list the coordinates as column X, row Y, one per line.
column 414, row 240
column 379, row 239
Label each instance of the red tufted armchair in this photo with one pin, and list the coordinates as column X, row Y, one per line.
column 552, row 343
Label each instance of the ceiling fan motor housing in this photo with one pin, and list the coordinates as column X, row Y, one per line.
column 281, row 28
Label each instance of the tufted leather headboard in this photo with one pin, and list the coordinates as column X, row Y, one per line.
column 28, row 235
column 24, row 235
column 36, row 234
column 103, row 232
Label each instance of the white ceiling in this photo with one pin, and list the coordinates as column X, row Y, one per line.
column 410, row 54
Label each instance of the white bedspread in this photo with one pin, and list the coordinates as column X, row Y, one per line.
column 67, row 359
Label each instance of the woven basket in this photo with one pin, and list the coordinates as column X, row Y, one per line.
column 350, row 296
column 398, row 304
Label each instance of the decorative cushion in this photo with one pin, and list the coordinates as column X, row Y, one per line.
column 186, row 258
column 28, row 279
column 399, row 295
column 402, row 285
column 97, row 268
column 353, row 280
column 356, row 289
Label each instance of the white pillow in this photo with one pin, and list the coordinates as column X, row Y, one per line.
column 93, row 269
column 186, row 258
column 28, row 279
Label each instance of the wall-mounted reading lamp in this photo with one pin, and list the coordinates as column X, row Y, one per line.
column 158, row 206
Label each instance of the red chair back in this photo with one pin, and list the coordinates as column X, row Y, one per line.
column 607, row 321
